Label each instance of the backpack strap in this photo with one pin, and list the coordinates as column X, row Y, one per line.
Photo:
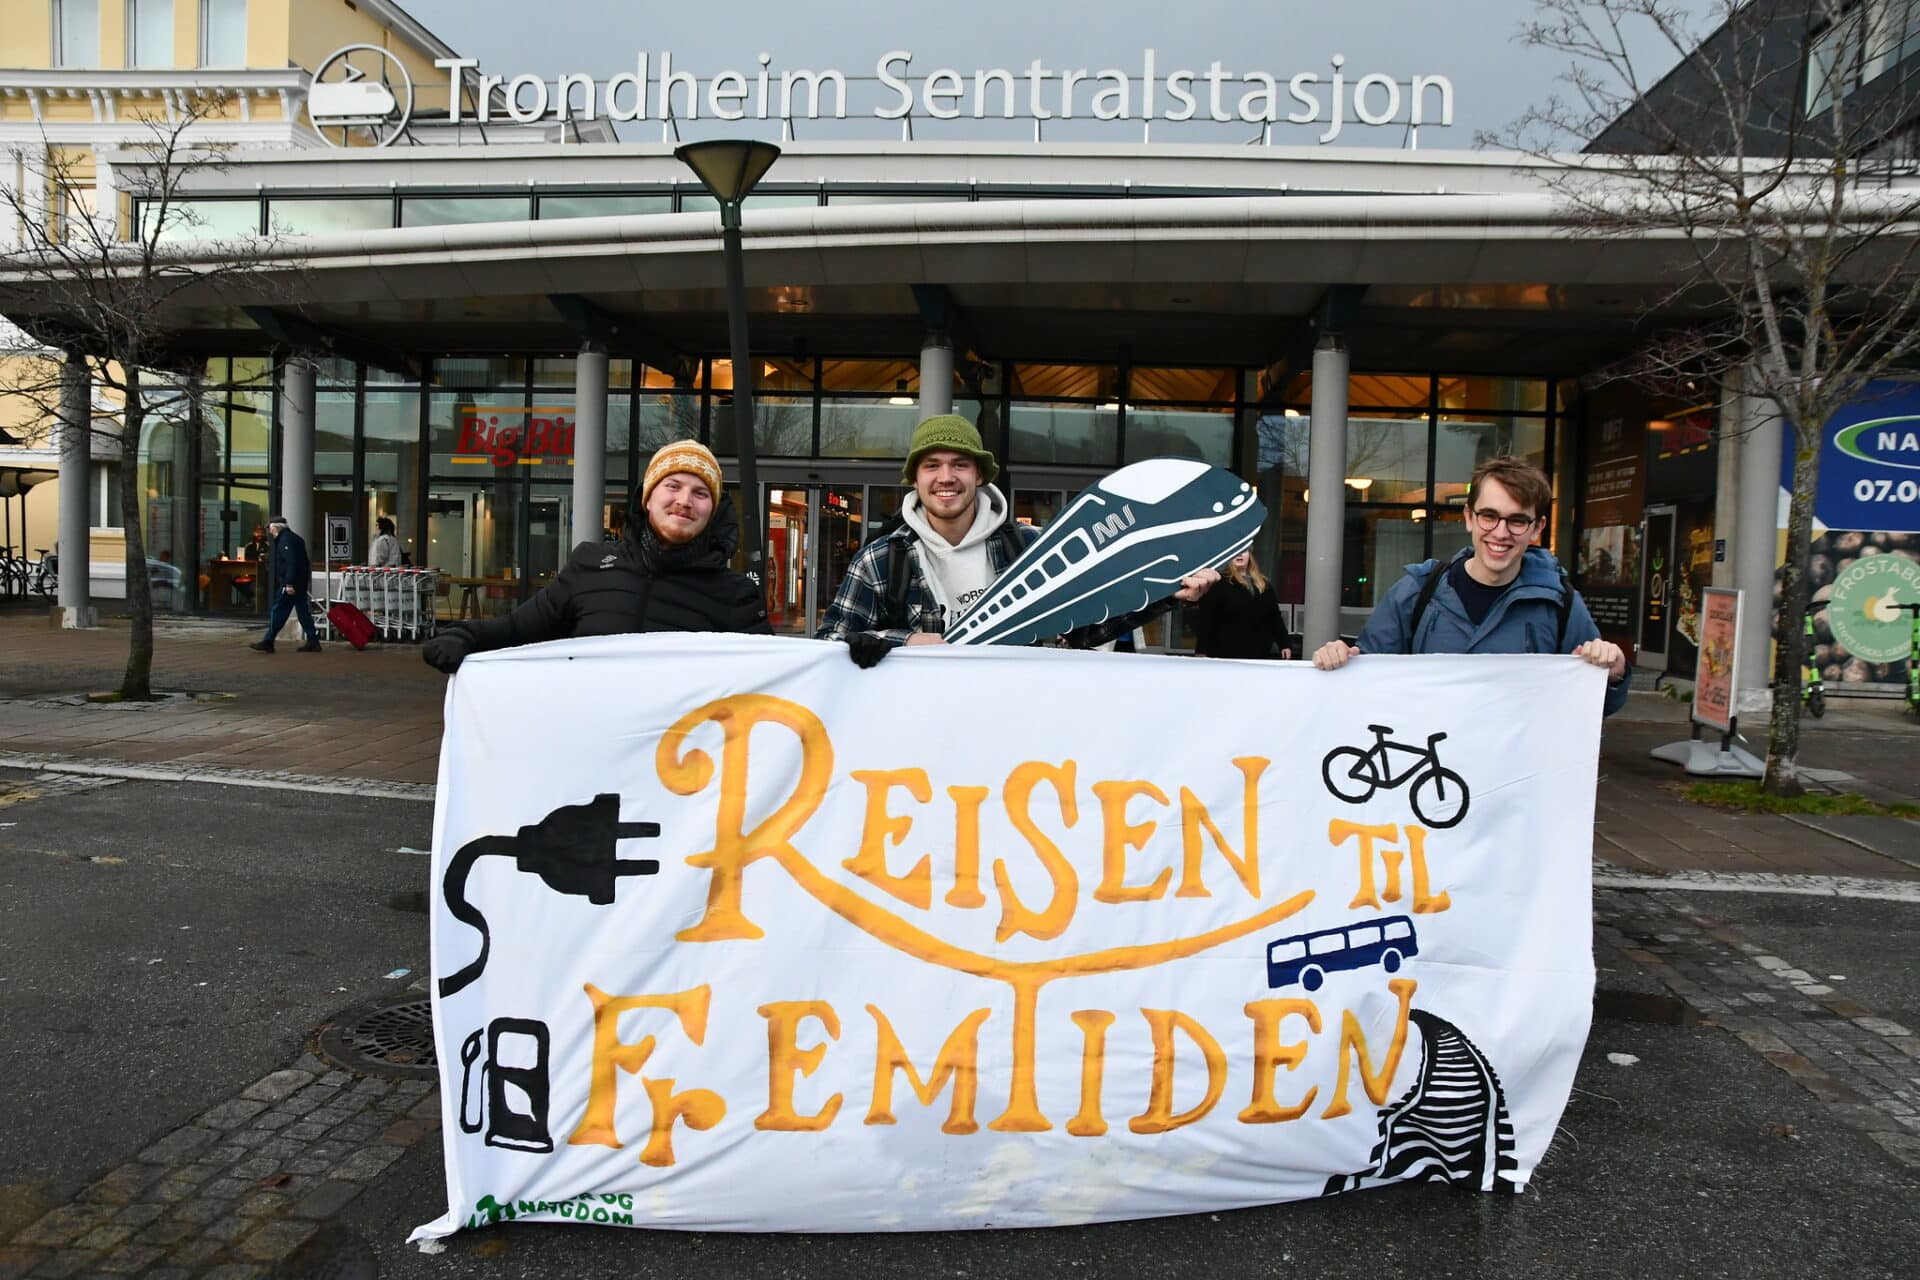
column 1427, row 588
column 1566, row 611
column 898, row 572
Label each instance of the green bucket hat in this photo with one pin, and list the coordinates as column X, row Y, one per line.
column 949, row 431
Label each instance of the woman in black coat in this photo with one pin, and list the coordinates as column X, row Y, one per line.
column 1239, row 618
column 667, row 572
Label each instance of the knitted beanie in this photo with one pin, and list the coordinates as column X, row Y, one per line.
column 688, row 456
column 949, row 431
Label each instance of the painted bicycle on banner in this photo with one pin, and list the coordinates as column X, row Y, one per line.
column 1439, row 796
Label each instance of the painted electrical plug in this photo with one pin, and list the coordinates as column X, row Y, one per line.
column 573, row 849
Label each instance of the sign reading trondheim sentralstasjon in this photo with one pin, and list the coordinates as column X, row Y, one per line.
column 656, row 90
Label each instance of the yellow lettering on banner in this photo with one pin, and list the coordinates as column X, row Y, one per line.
column 957, row 1063
column 1016, row 916
column 966, row 847
column 870, row 864
column 700, row 1108
column 1193, row 816
column 1159, row 1117
column 1093, row 1024
column 1424, row 899
column 1023, row 1114
column 1269, row 1055
column 785, row 1057
column 1353, row 1047
column 686, row 770
column 1339, row 831
column 610, row 1057
column 1121, row 836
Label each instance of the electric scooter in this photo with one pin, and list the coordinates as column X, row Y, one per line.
column 1813, row 693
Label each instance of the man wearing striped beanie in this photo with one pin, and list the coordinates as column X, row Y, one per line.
column 667, row 571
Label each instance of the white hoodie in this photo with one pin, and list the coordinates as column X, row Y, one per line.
column 958, row 573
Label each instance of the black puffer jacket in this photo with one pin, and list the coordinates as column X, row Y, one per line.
column 635, row 585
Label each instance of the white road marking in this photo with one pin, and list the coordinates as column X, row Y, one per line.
column 1808, row 886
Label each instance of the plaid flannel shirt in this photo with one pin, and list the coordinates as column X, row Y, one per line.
column 860, row 605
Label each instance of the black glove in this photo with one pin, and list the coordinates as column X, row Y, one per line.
column 866, row 649
column 447, row 650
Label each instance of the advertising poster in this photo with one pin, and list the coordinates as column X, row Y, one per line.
column 1865, row 554
column 747, row 950
column 1607, row 563
column 1719, row 632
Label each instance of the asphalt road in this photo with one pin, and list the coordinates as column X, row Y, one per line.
column 162, row 945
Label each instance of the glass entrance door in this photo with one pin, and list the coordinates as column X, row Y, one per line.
column 813, row 532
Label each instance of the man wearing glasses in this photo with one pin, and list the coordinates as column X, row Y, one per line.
column 1501, row 595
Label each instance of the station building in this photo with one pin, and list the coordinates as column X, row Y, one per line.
column 480, row 328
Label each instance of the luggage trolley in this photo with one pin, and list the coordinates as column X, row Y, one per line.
column 398, row 602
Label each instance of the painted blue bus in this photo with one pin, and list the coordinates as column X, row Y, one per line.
column 1308, row 958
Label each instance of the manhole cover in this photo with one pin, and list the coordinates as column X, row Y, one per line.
column 390, row 1037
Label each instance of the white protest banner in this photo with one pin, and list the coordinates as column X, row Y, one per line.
column 731, row 935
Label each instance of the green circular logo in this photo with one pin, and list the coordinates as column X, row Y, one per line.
column 1860, row 610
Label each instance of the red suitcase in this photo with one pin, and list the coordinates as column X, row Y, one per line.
column 349, row 622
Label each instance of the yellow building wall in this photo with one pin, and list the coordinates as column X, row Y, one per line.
column 322, row 26
column 113, row 33
column 269, row 38
column 26, row 37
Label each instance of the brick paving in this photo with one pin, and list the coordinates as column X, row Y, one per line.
column 1864, row 1067
column 238, row 1190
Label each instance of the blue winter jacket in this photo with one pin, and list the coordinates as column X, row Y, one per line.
column 1523, row 620
column 291, row 566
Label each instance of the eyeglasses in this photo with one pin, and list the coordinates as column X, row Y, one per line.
column 1488, row 519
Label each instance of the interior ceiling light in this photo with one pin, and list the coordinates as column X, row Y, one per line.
column 900, row 396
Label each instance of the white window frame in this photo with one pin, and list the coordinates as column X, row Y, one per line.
column 62, row 57
column 133, row 34
column 103, row 486
column 206, row 31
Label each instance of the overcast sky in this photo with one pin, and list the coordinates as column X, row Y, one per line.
column 1469, row 41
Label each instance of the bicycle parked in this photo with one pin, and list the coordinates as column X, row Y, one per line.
column 1438, row 796
column 22, row 577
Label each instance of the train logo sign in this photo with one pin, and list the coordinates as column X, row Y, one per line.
column 360, row 87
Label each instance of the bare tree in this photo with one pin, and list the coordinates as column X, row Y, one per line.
column 1770, row 151
column 106, row 287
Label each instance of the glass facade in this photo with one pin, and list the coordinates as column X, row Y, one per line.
column 474, row 463
column 1413, row 441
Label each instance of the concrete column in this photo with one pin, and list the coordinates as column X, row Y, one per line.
column 296, row 450
column 1327, row 492
column 936, row 375
column 1726, row 480
column 76, row 487
column 1756, row 536
column 589, row 444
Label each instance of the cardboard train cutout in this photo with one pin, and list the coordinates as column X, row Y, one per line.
column 1120, row 546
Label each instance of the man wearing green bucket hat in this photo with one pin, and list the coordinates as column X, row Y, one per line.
column 955, row 536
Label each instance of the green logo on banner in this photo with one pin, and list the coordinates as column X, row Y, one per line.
column 1861, row 610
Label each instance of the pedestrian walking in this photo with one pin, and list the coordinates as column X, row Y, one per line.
column 293, row 575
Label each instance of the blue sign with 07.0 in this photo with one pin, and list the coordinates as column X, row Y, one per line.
column 1869, row 462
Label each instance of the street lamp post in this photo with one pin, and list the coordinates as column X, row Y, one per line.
column 729, row 168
